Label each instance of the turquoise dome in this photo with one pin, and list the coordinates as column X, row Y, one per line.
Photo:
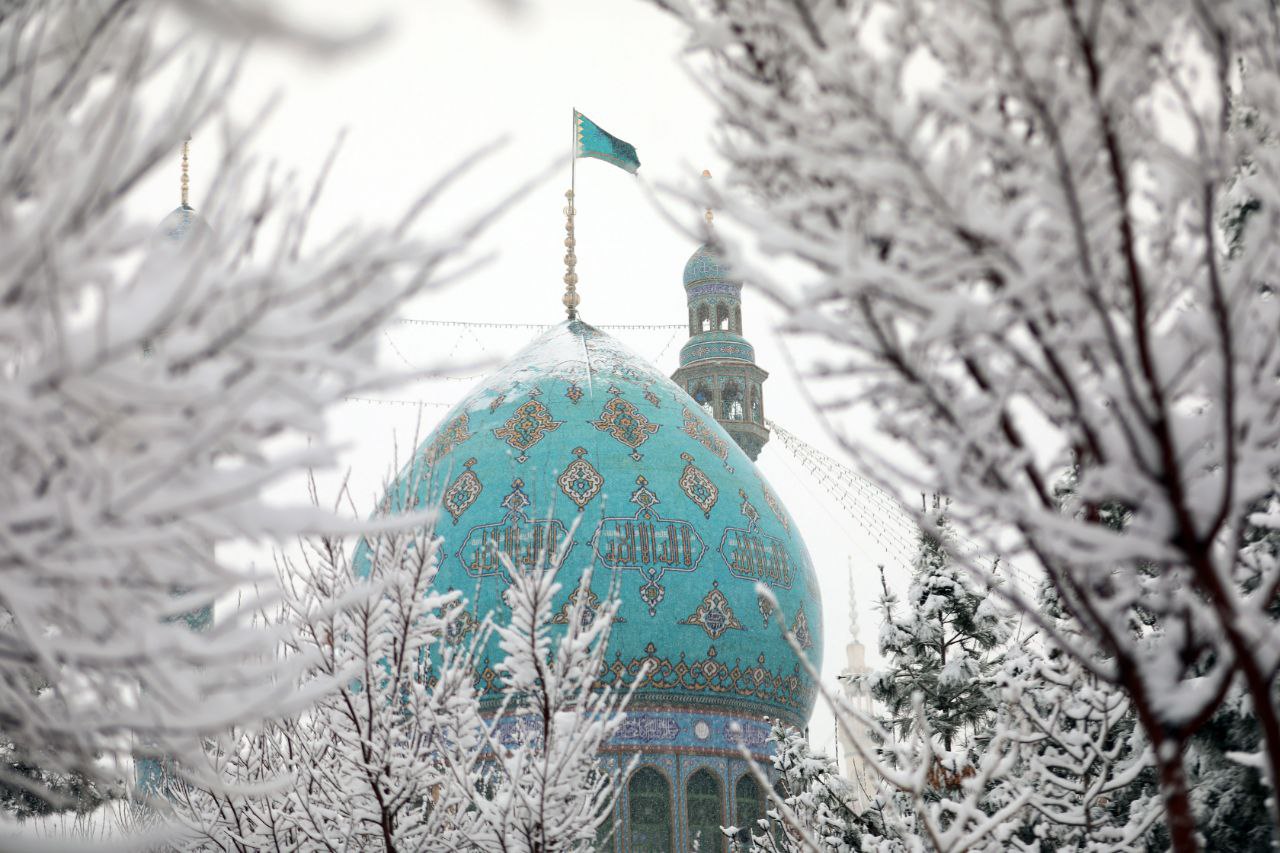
column 181, row 224
column 579, row 443
column 704, row 265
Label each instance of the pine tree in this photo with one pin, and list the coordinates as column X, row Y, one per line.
column 810, row 799
column 1086, row 765
column 946, row 646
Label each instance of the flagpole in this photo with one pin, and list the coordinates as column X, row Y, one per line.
column 571, row 297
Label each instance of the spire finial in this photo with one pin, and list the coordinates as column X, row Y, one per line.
column 186, row 175
column 706, row 175
column 571, row 297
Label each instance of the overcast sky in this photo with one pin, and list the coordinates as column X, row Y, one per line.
column 453, row 77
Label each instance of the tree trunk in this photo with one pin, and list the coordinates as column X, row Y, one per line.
column 1177, row 799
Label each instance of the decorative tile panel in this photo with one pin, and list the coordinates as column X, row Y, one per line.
column 527, row 427
column 463, row 492
column 461, row 622
column 525, row 542
column 648, row 543
column 698, row 486
column 800, row 630
column 714, row 615
column 449, row 436
column 753, row 555
column 697, row 430
column 580, row 480
column 590, row 608
column 627, row 424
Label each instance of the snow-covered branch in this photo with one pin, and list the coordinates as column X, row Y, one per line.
column 1037, row 242
column 153, row 383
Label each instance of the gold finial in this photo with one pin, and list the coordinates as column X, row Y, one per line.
column 571, row 297
column 186, row 178
column 706, row 175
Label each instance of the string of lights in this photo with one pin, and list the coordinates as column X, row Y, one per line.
column 414, row 321
column 474, row 377
column 889, row 526
column 431, row 404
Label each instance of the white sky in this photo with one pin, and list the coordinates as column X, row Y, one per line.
column 450, row 78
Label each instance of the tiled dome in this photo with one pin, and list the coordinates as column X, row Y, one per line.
column 577, row 439
column 704, row 265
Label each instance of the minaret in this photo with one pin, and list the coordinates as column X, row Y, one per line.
column 855, row 690
column 717, row 365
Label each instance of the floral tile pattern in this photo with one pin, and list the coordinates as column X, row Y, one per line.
column 527, row 427
column 580, row 480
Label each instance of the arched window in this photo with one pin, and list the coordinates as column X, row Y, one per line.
column 749, row 803
column 722, row 317
column 731, row 398
column 702, row 396
column 704, row 318
column 706, row 811
column 649, row 798
column 755, row 403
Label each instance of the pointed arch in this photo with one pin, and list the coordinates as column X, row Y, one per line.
column 731, row 401
column 649, row 802
column 704, row 805
column 704, row 397
column 749, row 807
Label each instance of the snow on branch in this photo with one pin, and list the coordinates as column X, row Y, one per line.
column 1036, row 236
column 153, row 383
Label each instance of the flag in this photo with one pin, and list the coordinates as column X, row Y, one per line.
column 593, row 141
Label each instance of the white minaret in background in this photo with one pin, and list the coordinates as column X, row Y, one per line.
column 856, row 691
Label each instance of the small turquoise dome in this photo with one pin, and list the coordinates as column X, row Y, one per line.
column 180, row 225
column 704, row 265
column 579, row 443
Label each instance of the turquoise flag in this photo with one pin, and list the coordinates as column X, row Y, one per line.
column 593, row 141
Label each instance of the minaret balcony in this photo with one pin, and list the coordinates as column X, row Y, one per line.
column 717, row 345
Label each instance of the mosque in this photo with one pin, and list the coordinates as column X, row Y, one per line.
column 578, row 443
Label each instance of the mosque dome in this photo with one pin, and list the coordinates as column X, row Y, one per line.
column 705, row 265
column 577, row 442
